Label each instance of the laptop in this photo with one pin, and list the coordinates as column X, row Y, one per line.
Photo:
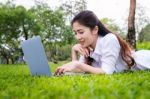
column 35, row 57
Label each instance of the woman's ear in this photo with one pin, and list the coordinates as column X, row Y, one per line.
column 95, row 30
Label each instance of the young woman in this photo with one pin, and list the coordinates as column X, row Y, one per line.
column 102, row 52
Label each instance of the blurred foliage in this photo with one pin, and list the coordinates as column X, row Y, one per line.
column 18, row 23
column 110, row 24
column 145, row 34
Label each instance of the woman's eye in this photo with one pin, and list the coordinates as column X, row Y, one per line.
column 81, row 32
column 75, row 33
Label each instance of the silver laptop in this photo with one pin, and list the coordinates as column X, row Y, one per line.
column 35, row 56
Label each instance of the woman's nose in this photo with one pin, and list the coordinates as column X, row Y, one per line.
column 78, row 37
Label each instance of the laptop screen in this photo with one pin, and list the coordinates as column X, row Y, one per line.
column 35, row 56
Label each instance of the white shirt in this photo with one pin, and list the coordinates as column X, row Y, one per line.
column 107, row 56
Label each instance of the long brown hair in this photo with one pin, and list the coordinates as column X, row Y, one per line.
column 89, row 19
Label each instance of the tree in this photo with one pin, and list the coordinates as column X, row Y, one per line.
column 131, row 37
column 110, row 24
column 67, row 36
column 145, row 34
column 9, row 32
column 28, row 24
column 15, row 22
column 52, row 23
column 72, row 7
column 141, row 20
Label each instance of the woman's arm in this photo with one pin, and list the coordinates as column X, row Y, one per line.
column 90, row 69
column 76, row 66
column 74, row 55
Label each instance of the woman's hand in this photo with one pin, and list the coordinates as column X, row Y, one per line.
column 81, row 50
column 69, row 67
column 76, row 66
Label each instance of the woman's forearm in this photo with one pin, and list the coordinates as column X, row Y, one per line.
column 90, row 69
column 74, row 55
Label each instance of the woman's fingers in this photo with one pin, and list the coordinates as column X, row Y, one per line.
column 87, row 52
column 59, row 70
column 84, row 51
column 71, row 66
column 81, row 50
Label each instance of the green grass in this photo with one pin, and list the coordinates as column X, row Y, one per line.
column 16, row 83
column 143, row 45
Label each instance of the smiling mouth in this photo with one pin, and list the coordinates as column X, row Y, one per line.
column 82, row 43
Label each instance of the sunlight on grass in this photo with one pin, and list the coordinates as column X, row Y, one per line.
column 16, row 82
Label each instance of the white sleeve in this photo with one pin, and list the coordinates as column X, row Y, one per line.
column 82, row 59
column 110, row 53
column 142, row 59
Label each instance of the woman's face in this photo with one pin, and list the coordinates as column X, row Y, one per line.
column 85, row 36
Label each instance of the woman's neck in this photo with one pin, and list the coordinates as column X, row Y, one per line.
column 94, row 43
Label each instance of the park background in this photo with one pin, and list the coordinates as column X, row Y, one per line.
column 20, row 20
column 50, row 19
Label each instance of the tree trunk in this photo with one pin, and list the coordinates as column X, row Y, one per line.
column 12, row 61
column 25, row 32
column 131, row 36
column 4, row 56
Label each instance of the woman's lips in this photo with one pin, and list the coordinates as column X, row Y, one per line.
column 81, row 42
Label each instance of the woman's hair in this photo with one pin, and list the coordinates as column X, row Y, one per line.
column 89, row 19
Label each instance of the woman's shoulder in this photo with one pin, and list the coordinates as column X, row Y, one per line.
column 110, row 36
column 109, row 41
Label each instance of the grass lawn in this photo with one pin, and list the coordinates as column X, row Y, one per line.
column 16, row 83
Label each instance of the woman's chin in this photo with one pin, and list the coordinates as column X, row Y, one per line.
column 84, row 46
